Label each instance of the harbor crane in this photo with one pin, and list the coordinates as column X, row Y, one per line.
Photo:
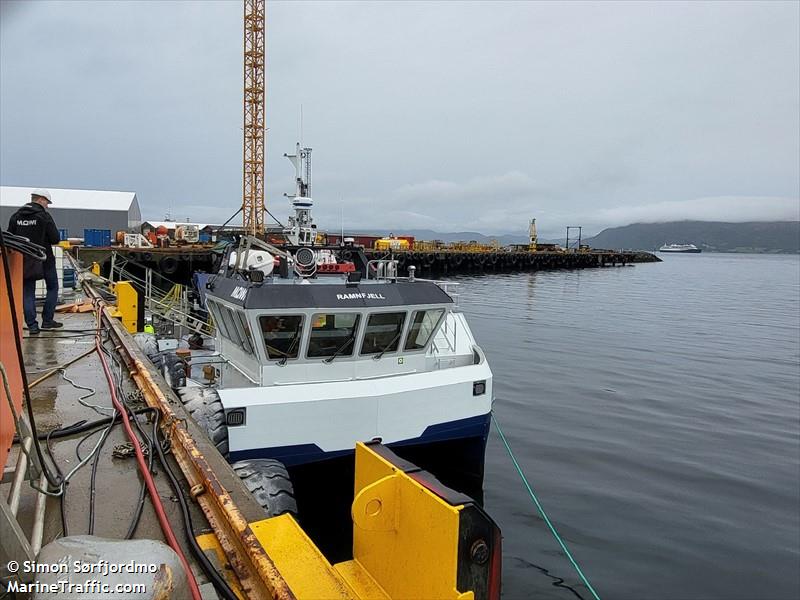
column 254, row 117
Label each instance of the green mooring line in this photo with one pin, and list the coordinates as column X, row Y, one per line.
column 541, row 510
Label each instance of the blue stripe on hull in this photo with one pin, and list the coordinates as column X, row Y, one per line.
column 472, row 427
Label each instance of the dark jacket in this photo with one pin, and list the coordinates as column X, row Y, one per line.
column 35, row 223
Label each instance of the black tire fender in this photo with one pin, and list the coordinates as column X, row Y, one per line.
column 168, row 265
column 148, row 343
column 175, row 371
column 268, row 481
column 205, row 407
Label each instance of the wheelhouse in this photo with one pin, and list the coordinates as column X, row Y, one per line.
column 317, row 330
column 325, row 334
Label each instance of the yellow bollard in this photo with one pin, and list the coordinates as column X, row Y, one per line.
column 127, row 309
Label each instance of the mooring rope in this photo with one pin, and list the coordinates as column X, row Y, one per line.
column 541, row 510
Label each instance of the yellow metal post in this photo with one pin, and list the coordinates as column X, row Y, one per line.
column 405, row 542
column 402, row 528
column 127, row 309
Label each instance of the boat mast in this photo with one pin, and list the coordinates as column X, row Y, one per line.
column 301, row 230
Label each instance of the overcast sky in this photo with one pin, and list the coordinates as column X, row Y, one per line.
column 448, row 116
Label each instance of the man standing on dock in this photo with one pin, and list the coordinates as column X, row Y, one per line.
column 35, row 223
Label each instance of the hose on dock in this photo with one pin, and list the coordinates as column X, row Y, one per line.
column 54, row 370
column 541, row 510
column 217, row 580
column 62, row 499
column 156, row 450
column 158, row 506
column 10, row 241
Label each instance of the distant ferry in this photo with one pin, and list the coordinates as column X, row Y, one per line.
column 686, row 248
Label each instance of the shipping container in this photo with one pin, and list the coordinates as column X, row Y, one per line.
column 359, row 240
column 96, row 237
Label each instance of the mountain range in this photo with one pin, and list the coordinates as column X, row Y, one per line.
column 711, row 236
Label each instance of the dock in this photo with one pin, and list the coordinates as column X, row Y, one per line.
column 444, row 262
column 63, row 399
column 202, row 533
column 179, row 263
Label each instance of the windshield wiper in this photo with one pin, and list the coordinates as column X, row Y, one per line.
column 340, row 349
column 387, row 346
column 282, row 362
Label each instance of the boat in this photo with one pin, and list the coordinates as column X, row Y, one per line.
column 680, row 248
column 317, row 348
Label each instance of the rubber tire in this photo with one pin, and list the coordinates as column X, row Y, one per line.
column 149, row 345
column 175, row 371
column 205, row 406
column 168, row 265
column 269, row 482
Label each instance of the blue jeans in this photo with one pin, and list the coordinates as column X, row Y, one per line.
column 50, row 301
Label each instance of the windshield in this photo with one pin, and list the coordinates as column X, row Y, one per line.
column 281, row 335
column 423, row 324
column 383, row 332
column 332, row 334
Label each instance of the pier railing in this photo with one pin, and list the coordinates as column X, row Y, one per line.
column 172, row 305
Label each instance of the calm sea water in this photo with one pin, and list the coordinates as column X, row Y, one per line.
column 656, row 412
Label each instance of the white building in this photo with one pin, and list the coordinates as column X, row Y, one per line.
column 76, row 210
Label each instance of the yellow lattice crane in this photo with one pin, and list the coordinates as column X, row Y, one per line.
column 254, row 114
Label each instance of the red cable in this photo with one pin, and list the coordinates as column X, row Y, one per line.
column 148, row 479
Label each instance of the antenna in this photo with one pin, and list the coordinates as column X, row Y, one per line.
column 341, row 220
column 301, row 230
column 301, row 124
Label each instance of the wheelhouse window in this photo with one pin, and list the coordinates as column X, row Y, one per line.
column 332, row 335
column 232, row 325
column 237, row 331
column 242, row 327
column 383, row 332
column 423, row 324
column 282, row 334
column 216, row 315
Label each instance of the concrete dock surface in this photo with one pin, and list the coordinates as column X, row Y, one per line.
column 57, row 403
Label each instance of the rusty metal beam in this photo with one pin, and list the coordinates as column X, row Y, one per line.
column 255, row 570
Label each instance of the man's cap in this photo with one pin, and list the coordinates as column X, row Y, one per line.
column 42, row 194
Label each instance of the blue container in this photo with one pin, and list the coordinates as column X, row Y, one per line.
column 62, row 234
column 96, row 237
column 205, row 237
